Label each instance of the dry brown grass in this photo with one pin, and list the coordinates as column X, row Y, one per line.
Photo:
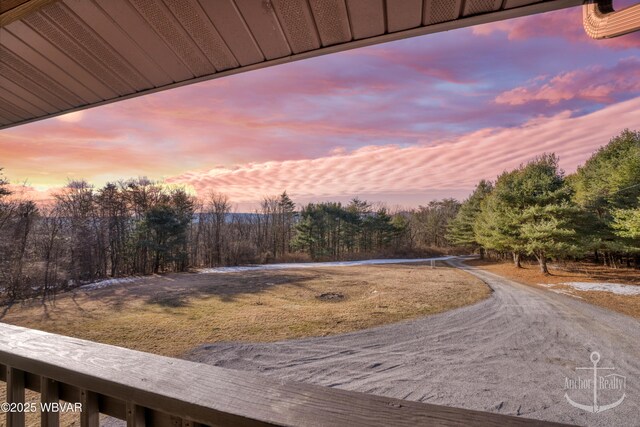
column 171, row 314
column 574, row 272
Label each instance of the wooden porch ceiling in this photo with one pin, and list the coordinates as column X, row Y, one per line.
column 59, row 56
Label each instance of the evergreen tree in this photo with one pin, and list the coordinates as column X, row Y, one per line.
column 548, row 214
column 460, row 230
column 607, row 183
column 286, row 210
column 529, row 211
column 497, row 226
column 626, row 223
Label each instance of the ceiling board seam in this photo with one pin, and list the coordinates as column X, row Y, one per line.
column 346, row 6
column 8, row 114
column 248, row 29
column 114, row 49
column 37, row 97
column 194, row 41
column 5, row 119
column 142, row 50
column 107, row 69
column 213, row 25
column 280, row 9
column 313, row 19
column 99, row 39
column 169, row 46
column 189, row 36
column 72, row 58
column 162, row 40
column 385, row 17
column 7, row 91
column 23, row 116
column 33, row 83
column 43, row 77
column 284, row 33
column 445, row 26
column 37, row 52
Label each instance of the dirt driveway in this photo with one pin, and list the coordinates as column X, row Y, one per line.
column 513, row 353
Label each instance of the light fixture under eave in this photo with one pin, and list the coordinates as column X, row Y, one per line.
column 601, row 21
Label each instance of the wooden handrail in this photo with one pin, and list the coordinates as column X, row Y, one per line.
column 601, row 21
column 147, row 389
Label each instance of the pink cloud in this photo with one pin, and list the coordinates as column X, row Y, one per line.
column 392, row 95
column 566, row 24
column 598, row 84
column 24, row 191
column 421, row 168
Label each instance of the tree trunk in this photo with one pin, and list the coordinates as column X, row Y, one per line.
column 612, row 261
column 481, row 253
column 542, row 261
column 516, row 259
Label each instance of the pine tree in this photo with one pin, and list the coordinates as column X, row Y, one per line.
column 460, row 231
column 548, row 214
column 607, row 186
column 497, row 226
column 286, row 210
column 530, row 211
column 626, row 223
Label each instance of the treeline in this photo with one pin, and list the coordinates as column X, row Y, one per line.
column 535, row 210
column 139, row 227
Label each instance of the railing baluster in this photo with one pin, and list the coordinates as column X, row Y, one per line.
column 209, row 394
column 15, row 394
column 135, row 415
column 49, row 394
column 90, row 416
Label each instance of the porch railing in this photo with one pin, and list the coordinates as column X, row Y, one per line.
column 150, row 390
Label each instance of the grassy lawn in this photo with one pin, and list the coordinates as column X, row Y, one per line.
column 171, row 314
column 574, row 272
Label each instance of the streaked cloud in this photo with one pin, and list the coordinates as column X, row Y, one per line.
column 564, row 24
column 597, row 84
column 396, row 122
column 427, row 168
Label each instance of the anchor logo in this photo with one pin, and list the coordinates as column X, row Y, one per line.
column 610, row 382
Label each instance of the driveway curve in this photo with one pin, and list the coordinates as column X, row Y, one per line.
column 512, row 353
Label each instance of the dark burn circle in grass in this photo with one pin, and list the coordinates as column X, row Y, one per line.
column 331, row 296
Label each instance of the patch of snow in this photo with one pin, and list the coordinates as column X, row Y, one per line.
column 616, row 288
column 108, row 282
column 569, row 293
column 316, row 264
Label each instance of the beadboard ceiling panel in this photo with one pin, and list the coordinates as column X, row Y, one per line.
column 58, row 56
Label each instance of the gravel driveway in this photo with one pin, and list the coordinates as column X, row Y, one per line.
column 512, row 353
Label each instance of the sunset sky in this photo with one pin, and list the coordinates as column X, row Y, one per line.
column 403, row 122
